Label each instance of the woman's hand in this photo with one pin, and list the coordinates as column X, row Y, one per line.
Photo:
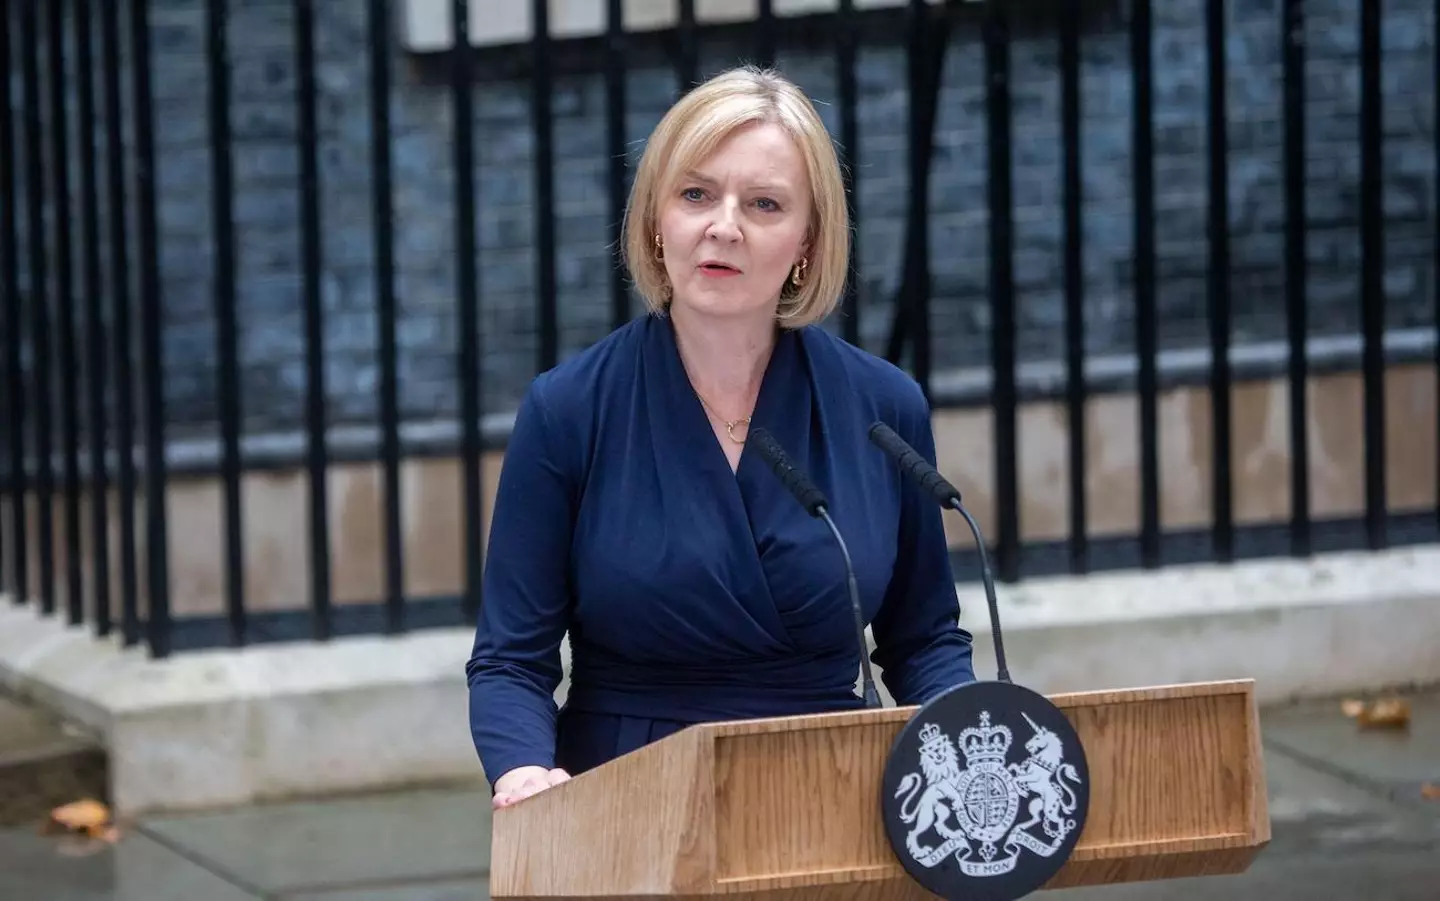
column 524, row 781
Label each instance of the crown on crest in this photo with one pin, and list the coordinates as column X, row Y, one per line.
column 930, row 734
column 986, row 742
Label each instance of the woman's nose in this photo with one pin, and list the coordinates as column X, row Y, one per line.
column 725, row 226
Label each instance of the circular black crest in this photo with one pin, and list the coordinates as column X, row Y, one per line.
column 985, row 792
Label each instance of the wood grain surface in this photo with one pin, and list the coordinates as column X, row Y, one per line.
column 790, row 807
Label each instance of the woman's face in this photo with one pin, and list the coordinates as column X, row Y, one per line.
column 734, row 226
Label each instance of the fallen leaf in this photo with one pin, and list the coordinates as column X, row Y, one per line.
column 1430, row 791
column 86, row 817
column 1387, row 713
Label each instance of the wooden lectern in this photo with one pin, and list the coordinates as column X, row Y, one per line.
column 790, row 807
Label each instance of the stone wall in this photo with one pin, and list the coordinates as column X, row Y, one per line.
column 267, row 207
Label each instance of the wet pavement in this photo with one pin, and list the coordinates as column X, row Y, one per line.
column 1348, row 817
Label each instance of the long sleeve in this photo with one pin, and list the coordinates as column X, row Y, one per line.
column 515, row 667
column 920, row 646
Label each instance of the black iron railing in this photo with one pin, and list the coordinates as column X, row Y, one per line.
column 89, row 296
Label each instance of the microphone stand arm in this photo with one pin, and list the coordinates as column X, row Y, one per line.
column 872, row 696
column 1002, row 669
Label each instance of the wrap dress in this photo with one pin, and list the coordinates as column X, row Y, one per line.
column 689, row 592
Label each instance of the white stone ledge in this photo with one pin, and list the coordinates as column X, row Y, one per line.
column 1301, row 628
column 426, row 27
column 223, row 727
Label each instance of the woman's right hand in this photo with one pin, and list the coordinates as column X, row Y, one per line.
column 524, row 781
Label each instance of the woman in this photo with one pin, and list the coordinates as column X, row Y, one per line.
column 630, row 514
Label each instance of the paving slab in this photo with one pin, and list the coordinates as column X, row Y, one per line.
column 1392, row 762
column 344, row 844
column 43, row 763
column 1375, row 876
column 1331, row 838
column 40, row 868
column 465, row 890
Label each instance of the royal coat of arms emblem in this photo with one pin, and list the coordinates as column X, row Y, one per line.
column 999, row 802
column 973, row 809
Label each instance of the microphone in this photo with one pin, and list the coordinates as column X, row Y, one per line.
column 814, row 503
column 919, row 470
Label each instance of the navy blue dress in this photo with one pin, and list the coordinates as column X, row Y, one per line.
column 692, row 593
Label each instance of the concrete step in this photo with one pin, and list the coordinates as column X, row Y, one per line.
column 44, row 763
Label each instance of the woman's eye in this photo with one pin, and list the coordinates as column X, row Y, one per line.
column 692, row 194
column 766, row 203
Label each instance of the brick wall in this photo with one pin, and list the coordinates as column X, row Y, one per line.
column 266, row 203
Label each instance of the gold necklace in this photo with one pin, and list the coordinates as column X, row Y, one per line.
column 730, row 424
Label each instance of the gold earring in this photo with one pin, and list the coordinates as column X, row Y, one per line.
column 659, row 248
column 797, row 275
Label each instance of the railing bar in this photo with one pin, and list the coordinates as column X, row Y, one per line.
column 1075, row 386
column 467, row 303
column 121, row 327
column 152, row 347
column 687, row 63
column 96, row 363
column 1222, row 480
column 1296, row 272
column 765, row 32
column 1372, row 272
column 923, row 61
column 227, row 368
column 311, row 257
column 15, row 412
column 846, row 50
column 1144, row 273
column 615, row 100
column 383, row 224
column 65, row 313
column 1002, row 291
column 542, row 122
column 42, row 400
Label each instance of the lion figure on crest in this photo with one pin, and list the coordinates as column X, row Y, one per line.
column 940, row 764
column 1044, row 773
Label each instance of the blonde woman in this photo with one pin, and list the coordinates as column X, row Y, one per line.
column 630, row 513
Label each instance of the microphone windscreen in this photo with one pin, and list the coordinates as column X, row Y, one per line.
column 795, row 481
column 913, row 465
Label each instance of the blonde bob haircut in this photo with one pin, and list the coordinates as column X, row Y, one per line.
column 690, row 132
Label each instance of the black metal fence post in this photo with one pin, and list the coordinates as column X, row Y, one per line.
column 467, row 304
column 1074, row 280
column 227, row 382
column 925, row 58
column 1372, row 272
column 847, row 42
column 317, row 455
column 96, row 363
column 157, row 550
column 765, row 33
column 62, row 221
column 542, row 122
column 617, row 171
column 1146, row 341
column 382, row 206
column 1297, row 326
column 686, row 47
column 41, row 399
column 1222, row 481
column 16, row 531
column 1004, row 400
column 121, row 328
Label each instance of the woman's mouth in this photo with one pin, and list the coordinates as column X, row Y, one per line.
column 718, row 270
